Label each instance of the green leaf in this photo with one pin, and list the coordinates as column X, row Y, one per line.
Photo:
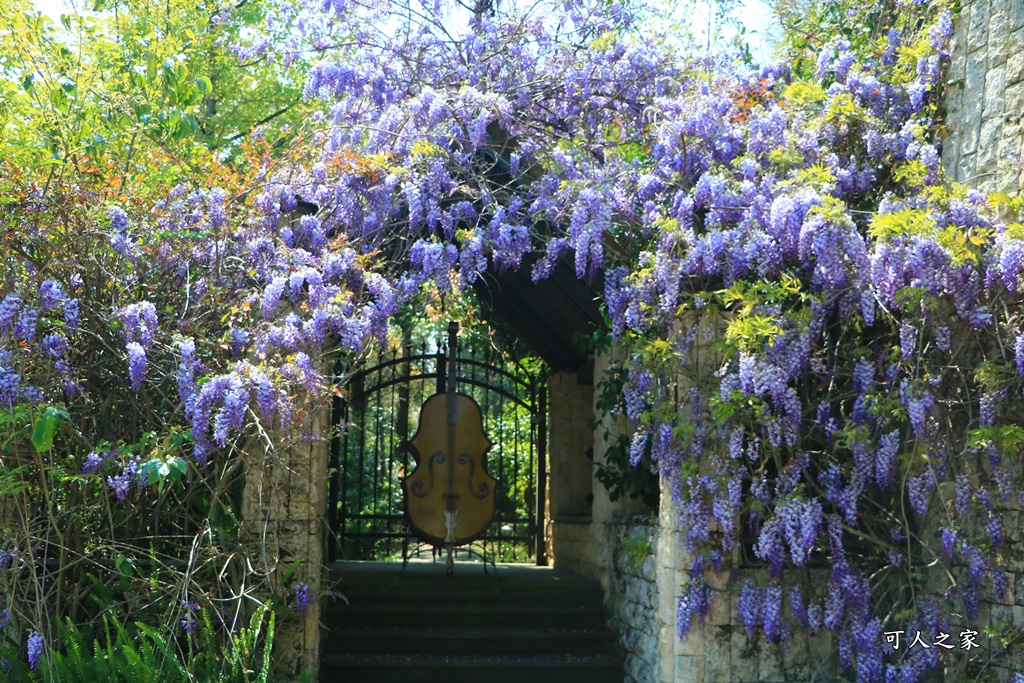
column 45, row 427
column 59, row 98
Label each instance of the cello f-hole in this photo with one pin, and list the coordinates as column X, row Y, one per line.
column 417, row 486
column 482, row 487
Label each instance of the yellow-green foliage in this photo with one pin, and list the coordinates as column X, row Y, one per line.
column 802, row 93
column 902, row 223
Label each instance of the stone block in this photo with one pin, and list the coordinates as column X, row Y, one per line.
column 1015, row 68
column 974, row 73
column 689, row 669
column 769, row 668
column 1011, row 590
column 977, row 30
column 950, row 154
column 1010, row 149
column 630, row 640
column 988, row 148
column 796, row 659
column 958, row 42
column 1011, row 525
column 721, row 611
column 694, row 645
column 666, row 652
column 1015, row 10
column 995, row 87
column 964, row 168
column 954, row 97
column 1018, row 587
column 1013, row 102
column 641, row 671
column 970, row 120
column 717, row 657
column 998, row 32
column 822, row 655
column 744, row 655
column 1012, row 615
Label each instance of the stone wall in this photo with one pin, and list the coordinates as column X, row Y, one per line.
column 283, row 522
column 570, row 473
column 995, row 612
column 985, row 101
column 633, row 599
column 719, row 650
column 985, row 143
column 985, row 118
column 642, row 597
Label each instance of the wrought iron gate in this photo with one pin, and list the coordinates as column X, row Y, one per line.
column 370, row 455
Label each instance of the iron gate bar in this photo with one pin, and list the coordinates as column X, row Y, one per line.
column 542, row 476
column 334, row 466
column 369, row 467
column 462, row 379
column 463, row 360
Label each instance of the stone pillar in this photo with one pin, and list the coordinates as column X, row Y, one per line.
column 985, row 99
column 570, row 470
column 571, row 443
column 283, row 506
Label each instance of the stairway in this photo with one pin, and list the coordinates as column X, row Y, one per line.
column 521, row 623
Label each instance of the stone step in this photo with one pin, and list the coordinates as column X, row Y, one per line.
column 453, row 669
column 467, row 615
column 390, row 589
column 465, row 641
column 379, row 582
column 519, row 624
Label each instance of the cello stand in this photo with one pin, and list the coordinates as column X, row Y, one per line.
column 485, row 556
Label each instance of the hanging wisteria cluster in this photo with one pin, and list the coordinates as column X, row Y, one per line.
column 859, row 427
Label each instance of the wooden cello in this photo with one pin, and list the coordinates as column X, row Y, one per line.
column 449, row 497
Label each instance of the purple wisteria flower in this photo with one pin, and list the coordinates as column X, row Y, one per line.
column 9, row 308
column 35, row 650
column 8, row 556
column 1018, row 351
column 70, row 310
column 93, row 461
column 136, row 364
column 25, row 326
column 50, row 294
column 120, row 238
column 186, row 374
column 189, row 621
column 10, row 387
column 122, row 483
column 140, row 323
column 303, row 595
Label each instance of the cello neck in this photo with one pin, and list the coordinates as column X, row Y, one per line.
column 453, row 371
column 453, row 331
